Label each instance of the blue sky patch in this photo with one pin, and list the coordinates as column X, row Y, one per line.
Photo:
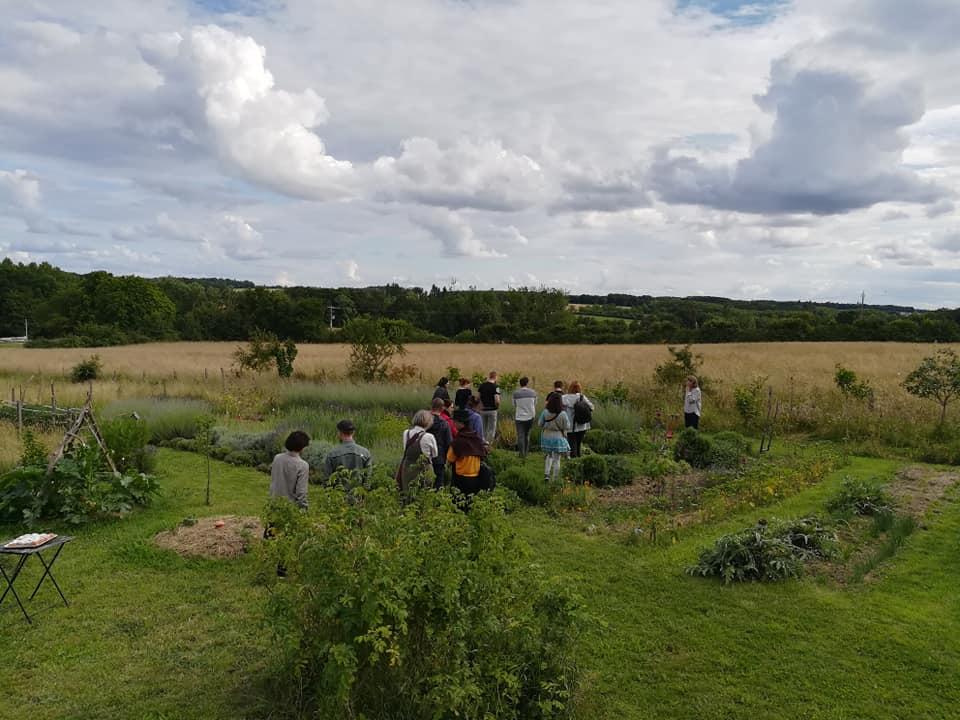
column 738, row 12
column 236, row 7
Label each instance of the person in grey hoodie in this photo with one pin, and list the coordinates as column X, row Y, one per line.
column 524, row 413
column 289, row 473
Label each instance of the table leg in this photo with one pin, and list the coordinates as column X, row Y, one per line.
column 48, row 574
column 10, row 588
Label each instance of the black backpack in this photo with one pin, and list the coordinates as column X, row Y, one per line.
column 582, row 414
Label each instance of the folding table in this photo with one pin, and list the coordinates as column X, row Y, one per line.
column 24, row 553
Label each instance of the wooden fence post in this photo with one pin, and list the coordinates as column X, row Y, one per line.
column 223, row 378
column 53, row 397
column 20, row 413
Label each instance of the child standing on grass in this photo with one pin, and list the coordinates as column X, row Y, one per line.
column 553, row 439
column 290, row 473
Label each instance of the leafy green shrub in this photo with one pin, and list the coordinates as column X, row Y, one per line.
column 614, row 442
column 767, row 551
column 128, row 439
column 693, row 447
column 848, row 384
column 748, row 400
column 587, row 469
column 501, row 461
column 860, row 497
column 86, row 370
column 619, row 471
column 527, row 483
column 682, row 362
column 414, row 610
column 728, row 449
column 78, row 490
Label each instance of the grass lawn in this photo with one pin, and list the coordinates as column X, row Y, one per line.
column 149, row 635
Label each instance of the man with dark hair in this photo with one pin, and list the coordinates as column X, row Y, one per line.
column 441, row 432
column 525, row 410
column 490, row 405
column 557, row 388
column 347, row 454
column 289, row 473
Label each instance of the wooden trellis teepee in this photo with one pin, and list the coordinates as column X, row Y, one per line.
column 85, row 421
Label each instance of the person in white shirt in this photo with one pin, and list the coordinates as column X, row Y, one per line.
column 418, row 445
column 692, row 403
column 524, row 412
column 575, row 436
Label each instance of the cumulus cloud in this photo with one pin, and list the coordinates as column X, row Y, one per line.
column 19, row 189
column 351, row 270
column 481, row 175
column 836, row 145
column 454, row 233
column 219, row 84
column 224, row 235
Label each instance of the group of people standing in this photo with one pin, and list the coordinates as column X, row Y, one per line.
column 564, row 420
column 460, row 432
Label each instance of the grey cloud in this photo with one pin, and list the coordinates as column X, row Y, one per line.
column 835, row 146
column 931, row 24
column 601, row 193
column 950, row 242
column 943, row 207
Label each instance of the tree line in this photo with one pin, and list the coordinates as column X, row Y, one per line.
column 99, row 308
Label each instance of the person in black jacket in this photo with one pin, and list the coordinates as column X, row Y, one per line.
column 441, row 431
column 441, row 390
column 463, row 395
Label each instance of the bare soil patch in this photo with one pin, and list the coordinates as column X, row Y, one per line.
column 916, row 488
column 212, row 537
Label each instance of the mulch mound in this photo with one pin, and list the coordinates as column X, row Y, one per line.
column 202, row 538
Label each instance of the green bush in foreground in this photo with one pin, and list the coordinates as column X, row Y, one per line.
column 767, row 551
column 414, row 611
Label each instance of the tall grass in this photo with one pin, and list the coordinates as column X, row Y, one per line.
column 166, row 418
column 11, row 446
column 394, row 398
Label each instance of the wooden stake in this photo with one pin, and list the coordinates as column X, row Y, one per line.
column 53, row 397
column 19, row 418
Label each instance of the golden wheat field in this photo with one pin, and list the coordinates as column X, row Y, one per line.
column 809, row 364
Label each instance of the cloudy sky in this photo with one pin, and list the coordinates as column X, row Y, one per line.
column 771, row 149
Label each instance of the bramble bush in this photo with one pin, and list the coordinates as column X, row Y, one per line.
column 414, row 610
column 767, row 551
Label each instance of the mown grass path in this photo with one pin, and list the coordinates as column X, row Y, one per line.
column 150, row 635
